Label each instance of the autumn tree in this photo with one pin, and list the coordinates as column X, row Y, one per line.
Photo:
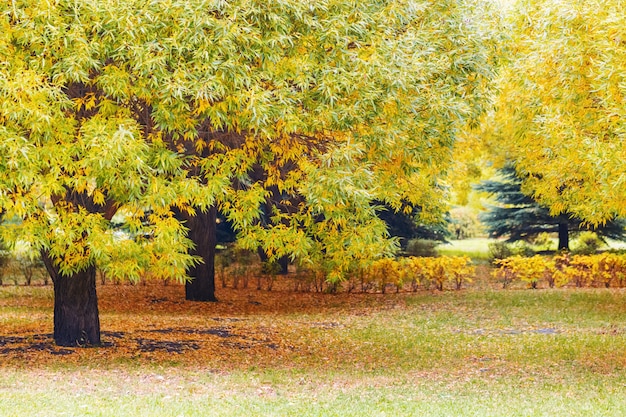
column 519, row 217
column 561, row 108
column 160, row 113
column 325, row 99
column 326, row 110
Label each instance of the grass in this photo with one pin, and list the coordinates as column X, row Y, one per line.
column 468, row 353
column 476, row 248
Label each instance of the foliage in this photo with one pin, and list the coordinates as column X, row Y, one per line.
column 4, row 257
column 501, row 250
column 527, row 269
column 561, row 110
column 588, row 243
column 30, row 266
column 464, row 223
column 406, row 226
column 21, row 265
column 135, row 107
column 416, row 271
column 243, row 265
column 603, row 270
column 384, row 272
column 224, row 259
column 520, row 217
column 421, row 247
column 543, row 242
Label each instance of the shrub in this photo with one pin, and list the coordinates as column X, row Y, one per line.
column 527, row 269
column 4, row 258
column 412, row 271
column 499, row 250
column 438, row 271
column 421, row 247
column 224, row 258
column 610, row 268
column 30, row 265
column 587, row 243
column 583, row 270
column 543, row 242
column 503, row 250
column 386, row 271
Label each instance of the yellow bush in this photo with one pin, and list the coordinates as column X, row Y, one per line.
column 414, row 271
column 438, row 271
column 530, row 270
column 583, row 270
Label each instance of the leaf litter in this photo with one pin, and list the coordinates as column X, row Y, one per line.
column 154, row 323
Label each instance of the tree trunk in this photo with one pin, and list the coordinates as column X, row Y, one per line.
column 76, row 318
column 202, row 229
column 563, row 237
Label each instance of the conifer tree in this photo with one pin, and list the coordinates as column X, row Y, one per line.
column 520, row 217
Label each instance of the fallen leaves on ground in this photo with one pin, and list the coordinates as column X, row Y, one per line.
column 154, row 323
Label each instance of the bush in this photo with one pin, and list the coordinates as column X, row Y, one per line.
column 543, row 242
column 607, row 269
column 416, row 271
column 30, row 265
column 4, row 254
column 422, row 247
column 503, row 250
column 527, row 269
column 499, row 250
column 4, row 258
column 587, row 243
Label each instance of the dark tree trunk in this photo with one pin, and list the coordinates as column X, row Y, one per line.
column 563, row 236
column 202, row 229
column 284, row 265
column 76, row 319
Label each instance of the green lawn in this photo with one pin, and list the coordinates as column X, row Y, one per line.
column 476, row 248
column 469, row 353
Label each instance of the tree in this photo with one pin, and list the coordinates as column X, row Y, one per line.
column 327, row 98
column 160, row 113
column 561, row 109
column 4, row 256
column 520, row 217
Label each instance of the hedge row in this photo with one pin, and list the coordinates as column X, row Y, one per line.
column 607, row 270
column 413, row 273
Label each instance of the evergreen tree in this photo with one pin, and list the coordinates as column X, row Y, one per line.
column 520, row 217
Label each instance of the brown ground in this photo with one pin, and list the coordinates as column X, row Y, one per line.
column 153, row 323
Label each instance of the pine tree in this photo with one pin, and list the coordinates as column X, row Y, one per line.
column 520, row 217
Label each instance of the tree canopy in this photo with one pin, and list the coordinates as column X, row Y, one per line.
column 560, row 110
column 112, row 104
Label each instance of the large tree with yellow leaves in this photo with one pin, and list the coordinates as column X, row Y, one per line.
column 158, row 113
column 561, row 108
